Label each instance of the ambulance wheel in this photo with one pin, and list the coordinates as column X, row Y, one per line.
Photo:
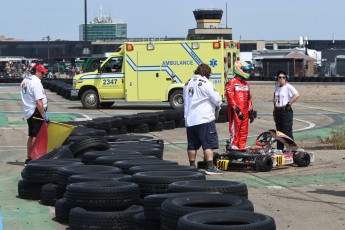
column 302, row 159
column 89, row 99
column 176, row 99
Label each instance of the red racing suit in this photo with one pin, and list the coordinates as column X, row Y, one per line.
column 238, row 96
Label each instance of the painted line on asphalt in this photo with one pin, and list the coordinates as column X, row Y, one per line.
column 310, row 125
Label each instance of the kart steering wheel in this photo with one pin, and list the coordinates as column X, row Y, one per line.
column 265, row 138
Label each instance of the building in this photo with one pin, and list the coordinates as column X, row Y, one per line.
column 208, row 25
column 103, row 28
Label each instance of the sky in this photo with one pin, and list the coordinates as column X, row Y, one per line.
column 250, row 19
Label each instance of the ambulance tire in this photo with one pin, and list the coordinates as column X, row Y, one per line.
column 302, row 159
column 176, row 99
column 106, row 104
column 226, row 220
column 89, row 99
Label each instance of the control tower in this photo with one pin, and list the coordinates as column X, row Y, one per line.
column 208, row 25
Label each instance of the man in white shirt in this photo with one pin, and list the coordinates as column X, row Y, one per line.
column 34, row 104
column 200, row 103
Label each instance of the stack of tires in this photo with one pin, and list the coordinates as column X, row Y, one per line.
column 122, row 182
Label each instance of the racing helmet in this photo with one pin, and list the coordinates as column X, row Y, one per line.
column 243, row 69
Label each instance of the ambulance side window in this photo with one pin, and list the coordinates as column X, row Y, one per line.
column 113, row 65
column 229, row 60
column 234, row 58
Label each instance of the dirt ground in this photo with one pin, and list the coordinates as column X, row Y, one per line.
column 309, row 92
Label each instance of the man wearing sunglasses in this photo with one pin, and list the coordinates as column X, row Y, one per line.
column 34, row 103
column 240, row 107
column 284, row 96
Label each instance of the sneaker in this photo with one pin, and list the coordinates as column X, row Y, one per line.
column 27, row 161
column 214, row 171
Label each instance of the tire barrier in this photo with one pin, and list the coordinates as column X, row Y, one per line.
column 155, row 182
column 103, row 195
column 152, row 203
column 222, row 186
column 146, row 168
column 65, row 172
column 49, row 194
column 98, row 177
column 230, row 220
column 174, row 208
column 126, row 164
column 83, row 219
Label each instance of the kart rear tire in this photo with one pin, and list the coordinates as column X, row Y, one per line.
column 302, row 159
column 263, row 163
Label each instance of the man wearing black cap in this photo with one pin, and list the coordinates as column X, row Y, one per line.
column 34, row 104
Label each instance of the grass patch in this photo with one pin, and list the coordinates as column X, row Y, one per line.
column 336, row 138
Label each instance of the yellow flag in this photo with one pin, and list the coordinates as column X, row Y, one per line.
column 57, row 134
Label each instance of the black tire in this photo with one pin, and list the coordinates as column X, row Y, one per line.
column 152, row 203
column 98, row 177
column 62, row 209
column 62, row 152
column 146, row 168
column 48, row 194
column 90, row 99
column 176, row 99
column 222, row 186
column 87, row 144
column 110, row 160
column 229, row 220
column 103, row 195
column 263, row 163
column 45, row 171
column 65, row 172
column 126, row 164
column 28, row 190
column 302, row 159
column 106, row 105
column 173, row 208
column 90, row 157
column 155, row 182
column 83, row 219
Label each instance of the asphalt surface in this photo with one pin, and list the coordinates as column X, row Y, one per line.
column 297, row 198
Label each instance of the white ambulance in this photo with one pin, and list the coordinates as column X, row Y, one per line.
column 154, row 72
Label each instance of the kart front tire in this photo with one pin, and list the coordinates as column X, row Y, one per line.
column 302, row 159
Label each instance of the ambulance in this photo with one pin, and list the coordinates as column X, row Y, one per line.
column 154, row 71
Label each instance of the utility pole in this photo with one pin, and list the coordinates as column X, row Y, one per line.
column 48, row 43
column 86, row 50
column 48, row 39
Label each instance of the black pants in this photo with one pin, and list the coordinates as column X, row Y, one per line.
column 283, row 119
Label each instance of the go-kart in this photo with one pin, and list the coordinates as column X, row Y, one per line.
column 264, row 156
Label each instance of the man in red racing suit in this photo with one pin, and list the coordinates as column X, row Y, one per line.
column 240, row 108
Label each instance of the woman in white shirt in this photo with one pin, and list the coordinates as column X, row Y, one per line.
column 284, row 96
